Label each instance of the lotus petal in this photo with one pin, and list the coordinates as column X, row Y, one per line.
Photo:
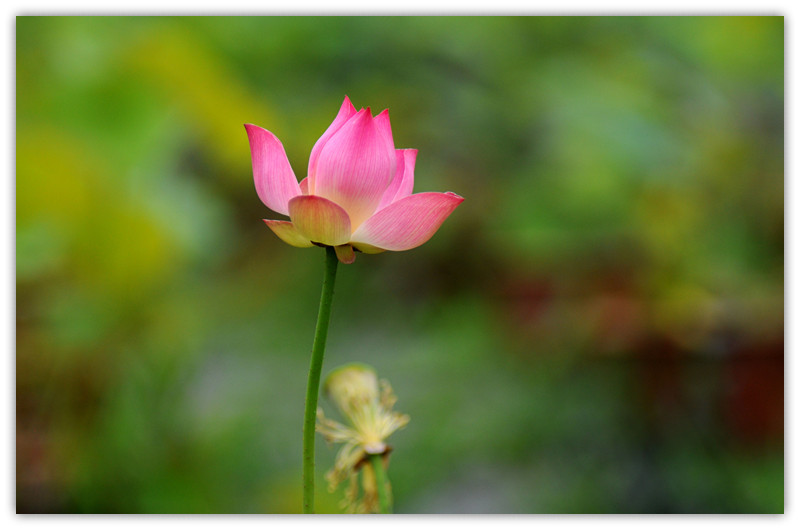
column 320, row 220
column 407, row 223
column 274, row 179
column 345, row 253
column 288, row 233
column 346, row 111
column 356, row 166
column 403, row 182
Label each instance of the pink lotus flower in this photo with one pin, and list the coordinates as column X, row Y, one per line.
column 358, row 191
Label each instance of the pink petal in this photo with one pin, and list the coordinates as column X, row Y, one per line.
column 320, row 220
column 356, row 166
column 346, row 111
column 384, row 125
column 288, row 233
column 403, row 182
column 345, row 254
column 274, row 178
column 407, row 223
column 304, row 186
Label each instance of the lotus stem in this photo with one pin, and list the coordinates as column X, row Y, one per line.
column 314, row 371
column 381, row 481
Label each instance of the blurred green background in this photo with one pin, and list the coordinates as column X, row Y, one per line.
column 597, row 328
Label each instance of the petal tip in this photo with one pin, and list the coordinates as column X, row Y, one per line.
column 383, row 121
column 253, row 128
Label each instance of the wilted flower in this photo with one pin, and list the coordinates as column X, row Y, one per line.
column 354, row 389
column 357, row 193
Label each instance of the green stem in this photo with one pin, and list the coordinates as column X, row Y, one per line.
column 384, row 501
column 314, row 371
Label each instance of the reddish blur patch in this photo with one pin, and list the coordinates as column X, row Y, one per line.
column 753, row 406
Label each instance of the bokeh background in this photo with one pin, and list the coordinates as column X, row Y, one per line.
column 597, row 328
